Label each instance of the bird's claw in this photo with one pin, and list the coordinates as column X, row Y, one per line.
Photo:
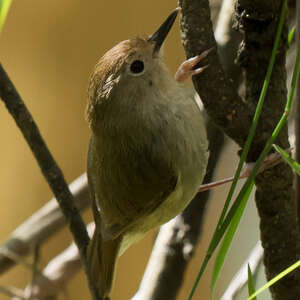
column 186, row 69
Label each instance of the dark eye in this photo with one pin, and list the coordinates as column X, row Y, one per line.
column 137, row 67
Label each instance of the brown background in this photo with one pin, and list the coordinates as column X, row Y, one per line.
column 49, row 49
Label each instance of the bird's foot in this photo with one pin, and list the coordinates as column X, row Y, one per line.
column 186, row 69
column 270, row 161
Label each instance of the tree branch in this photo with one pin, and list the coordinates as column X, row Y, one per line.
column 49, row 168
column 40, row 226
column 223, row 104
column 274, row 196
column 58, row 272
column 241, row 277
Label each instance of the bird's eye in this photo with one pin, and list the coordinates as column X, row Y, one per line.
column 137, row 67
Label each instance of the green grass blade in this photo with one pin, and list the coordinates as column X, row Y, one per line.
column 266, row 149
column 250, row 136
column 251, row 287
column 219, row 262
column 288, row 159
column 4, row 7
column 268, row 146
column 221, row 226
column 258, row 110
column 291, row 35
column 275, row 279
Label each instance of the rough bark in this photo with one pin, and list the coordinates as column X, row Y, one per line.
column 274, row 197
column 223, row 103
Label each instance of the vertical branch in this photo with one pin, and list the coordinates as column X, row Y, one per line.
column 274, row 194
column 36, row 257
column 217, row 92
column 274, row 197
column 47, row 164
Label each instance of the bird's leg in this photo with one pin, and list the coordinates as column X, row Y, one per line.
column 187, row 68
column 270, row 161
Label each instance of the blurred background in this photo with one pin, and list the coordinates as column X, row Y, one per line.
column 49, row 50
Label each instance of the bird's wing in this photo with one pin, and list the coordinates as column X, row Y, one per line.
column 127, row 189
column 142, row 202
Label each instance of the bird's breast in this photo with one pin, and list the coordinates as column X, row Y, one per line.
column 150, row 161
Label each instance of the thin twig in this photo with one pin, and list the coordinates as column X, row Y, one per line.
column 58, row 272
column 34, row 269
column 271, row 161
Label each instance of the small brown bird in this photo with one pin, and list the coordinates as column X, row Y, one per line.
column 148, row 148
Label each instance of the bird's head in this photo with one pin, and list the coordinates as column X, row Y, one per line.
column 128, row 69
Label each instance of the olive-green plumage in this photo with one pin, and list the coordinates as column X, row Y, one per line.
column 148, row 149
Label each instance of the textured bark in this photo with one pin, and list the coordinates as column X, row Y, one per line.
column 217, row 92
column 274, row 197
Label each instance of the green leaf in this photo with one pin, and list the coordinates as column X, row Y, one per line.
column 251, row 288
column 4, row 7
column 288, row 159
column 291, row 35
column 235, row 221
column 275, row 279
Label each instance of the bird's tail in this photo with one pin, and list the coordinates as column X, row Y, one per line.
column 102, row 256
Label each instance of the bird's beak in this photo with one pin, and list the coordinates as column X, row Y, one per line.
column 160, row 35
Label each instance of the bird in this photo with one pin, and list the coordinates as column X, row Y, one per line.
column 148, row 149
